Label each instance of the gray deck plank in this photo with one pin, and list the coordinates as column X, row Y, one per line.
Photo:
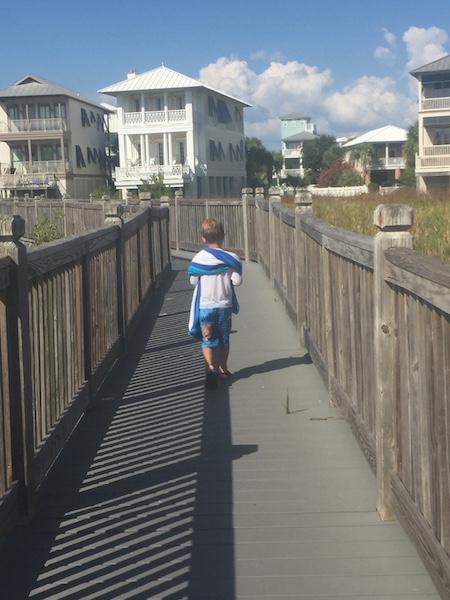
column 168, row 491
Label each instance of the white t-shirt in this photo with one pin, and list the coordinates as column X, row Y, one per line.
column 216, row 291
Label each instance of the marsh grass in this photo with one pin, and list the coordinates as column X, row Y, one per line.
column 431, row 229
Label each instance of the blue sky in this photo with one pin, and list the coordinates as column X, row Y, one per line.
column 343, row 63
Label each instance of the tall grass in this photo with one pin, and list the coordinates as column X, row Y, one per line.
column 431, row 229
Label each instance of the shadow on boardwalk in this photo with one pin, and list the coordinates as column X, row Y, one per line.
column 144, row 485
column 166, row 491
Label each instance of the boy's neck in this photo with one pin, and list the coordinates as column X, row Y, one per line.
column 214, row 245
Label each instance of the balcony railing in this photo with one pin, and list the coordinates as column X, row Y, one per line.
column 441, row 150
column 33, row 125
column 137, row 174
column 152, row 117
column 435, row 103
column 37, row 174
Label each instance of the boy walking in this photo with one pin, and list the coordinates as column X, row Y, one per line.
column 215, row 273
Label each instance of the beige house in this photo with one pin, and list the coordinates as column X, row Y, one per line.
column 179, row 129
column 433, row 158
column 52, row 141
column 387, row 162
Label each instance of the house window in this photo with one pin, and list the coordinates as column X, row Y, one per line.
column 181, row 153
column 223, row 114
column 159, row 104
column 44, row 111
column 13, row 112
column 136, row 104
column 160, row 153
column 46, row 152
column 212, row 109
column 179, row 102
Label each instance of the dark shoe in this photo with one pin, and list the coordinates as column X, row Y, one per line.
column 211, row 379
column 224, row 374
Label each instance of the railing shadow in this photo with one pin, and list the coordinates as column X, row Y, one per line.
column 139, row 504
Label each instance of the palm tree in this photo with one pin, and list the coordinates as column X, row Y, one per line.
column 365, row 154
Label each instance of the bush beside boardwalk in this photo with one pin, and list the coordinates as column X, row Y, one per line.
column 431, row 229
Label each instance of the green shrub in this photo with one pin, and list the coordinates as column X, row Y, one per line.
column 46, row 228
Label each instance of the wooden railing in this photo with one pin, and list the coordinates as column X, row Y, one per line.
column 67, row 309
column 373, row 314
column 375, row 318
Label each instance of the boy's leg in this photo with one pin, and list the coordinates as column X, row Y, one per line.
column 224, row 346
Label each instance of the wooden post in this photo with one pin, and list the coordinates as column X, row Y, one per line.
column 147, row 205
column 393, row 221
column 274, row 196
column 246, row 194
column 178, row 197
column 12, row 228
column 113, row 216
column 259, row 195
column 303, row 206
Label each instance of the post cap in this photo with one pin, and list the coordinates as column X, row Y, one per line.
column 393, row 217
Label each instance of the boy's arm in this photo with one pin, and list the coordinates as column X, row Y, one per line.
column 236, row 279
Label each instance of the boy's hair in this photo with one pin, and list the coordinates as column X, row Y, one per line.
column 212, row 231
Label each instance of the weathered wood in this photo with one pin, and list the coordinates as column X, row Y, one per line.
column 419, row 531
column 392, row 223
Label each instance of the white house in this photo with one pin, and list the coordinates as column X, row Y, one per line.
column 188, row 133
column 388, row 162
column 433, row 158
column 296, row 131
column 52, row 141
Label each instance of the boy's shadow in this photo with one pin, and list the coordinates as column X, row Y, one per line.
column 272, row 365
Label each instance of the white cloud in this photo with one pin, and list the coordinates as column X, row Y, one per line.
column 385, row 55
column 390, row 38
column 282, row 88
column 424, row 45
column 264, row 55
column 369, row 103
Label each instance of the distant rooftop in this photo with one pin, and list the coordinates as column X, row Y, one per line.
column 161, row 78
column 32, row 85
column 441, row 65
column 295, row 117
column 302, row 136
column 389, row 133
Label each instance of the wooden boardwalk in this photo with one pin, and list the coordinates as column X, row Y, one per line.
column 168, row 491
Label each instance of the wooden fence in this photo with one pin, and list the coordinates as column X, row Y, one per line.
column 375, row 318
column 373, row 314
column 66, row 311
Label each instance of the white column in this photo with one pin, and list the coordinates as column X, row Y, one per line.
column 166, row 107
column 190, row 148
column 142, row 142
column 122, row 151
column 147, row 148
column 165, row 152
column 170, row 148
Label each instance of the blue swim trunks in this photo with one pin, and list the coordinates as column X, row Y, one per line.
column 216, row 325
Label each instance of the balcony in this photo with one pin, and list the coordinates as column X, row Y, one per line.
column 434, row 157
column 36, row 175
column 435, row 104
column 11, row 130
column 154, row 117
column 174, row 175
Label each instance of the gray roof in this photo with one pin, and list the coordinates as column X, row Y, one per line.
column 32, row 85
column 161, row 78
column 294, row 116
column 302, row 136
column 441, row 65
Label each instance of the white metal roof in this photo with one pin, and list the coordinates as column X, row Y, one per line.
column 389, row 133
column 161, row 78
